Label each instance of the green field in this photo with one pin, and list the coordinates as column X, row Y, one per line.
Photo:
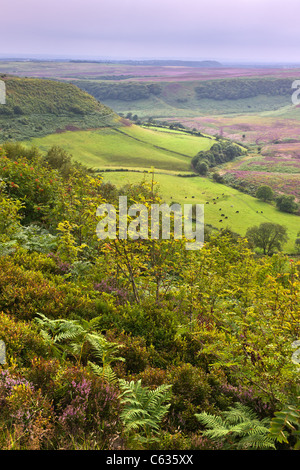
column 170, row 153
column 128, row 147
column 202, row 190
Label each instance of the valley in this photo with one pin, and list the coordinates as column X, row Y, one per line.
column 188, row 336
column 154, row 116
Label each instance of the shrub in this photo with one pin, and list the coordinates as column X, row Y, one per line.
column 134, row 351
column 22, row 341
column 191, row 392
column 27, row 414
column 86, row 406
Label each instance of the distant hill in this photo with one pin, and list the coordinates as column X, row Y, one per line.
column 37, row 107
column 165, row 98
column 161, row 63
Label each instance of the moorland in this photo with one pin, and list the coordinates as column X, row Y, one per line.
column 140, row 344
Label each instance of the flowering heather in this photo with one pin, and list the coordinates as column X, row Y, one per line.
column 8, row 382
column 110, row 286
column 87, row 405
column 74, row 415
column 281, row 183
column 61, row 266
column 247, row 397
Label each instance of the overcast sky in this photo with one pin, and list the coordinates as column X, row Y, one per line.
column 228, row 30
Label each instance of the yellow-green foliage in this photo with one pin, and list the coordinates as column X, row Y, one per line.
column 216, row 325
column 22, row 341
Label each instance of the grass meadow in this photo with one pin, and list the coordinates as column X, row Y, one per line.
column 169, row 152
column 128, row 147
column 228, row 201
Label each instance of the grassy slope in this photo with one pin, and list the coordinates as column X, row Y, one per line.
column 134, row 147
column 201, row 190
column 36, row 107
column 129, row 147
column 137, row 148
column 179, row 99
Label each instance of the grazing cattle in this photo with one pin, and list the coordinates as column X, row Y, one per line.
column 207, row 202
column 222, row 215
column 261, row 212
column 237, row 212
column 220, row 209
column 226, row 217
column 220, row 220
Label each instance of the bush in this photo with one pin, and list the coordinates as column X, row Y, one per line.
column 191, row 392
column 86, row 407
column 286, row 204
column 133, row 350
column 26, row 413
column 22, row 341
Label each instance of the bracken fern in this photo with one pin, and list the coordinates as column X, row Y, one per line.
column 144, row 409
column 238, row 428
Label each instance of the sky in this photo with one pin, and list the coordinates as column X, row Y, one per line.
column 224, row 30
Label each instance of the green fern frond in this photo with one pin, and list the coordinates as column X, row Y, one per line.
column 257, row 442
column 241, row 425
column 106, row 373
column 72, row 337
column 211, row 421
column 286, row 424
column 143, row 409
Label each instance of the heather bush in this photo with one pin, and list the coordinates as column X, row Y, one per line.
column 86, row 406
column 26, row 292
column 111, row 287
column 152, row 377
column 26, row 413
column 43, row 373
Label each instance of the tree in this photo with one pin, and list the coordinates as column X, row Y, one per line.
column 265, row 193
column 218, row 178
column 202, row 168
column 286, row 204
column 268, row 236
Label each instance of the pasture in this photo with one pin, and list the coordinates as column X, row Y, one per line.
column 240, row 210
column 128, row 147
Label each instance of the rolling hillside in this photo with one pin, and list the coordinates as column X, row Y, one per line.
column 36, row 107
column 129, row 147
column 240, row 210
column 48, row 113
